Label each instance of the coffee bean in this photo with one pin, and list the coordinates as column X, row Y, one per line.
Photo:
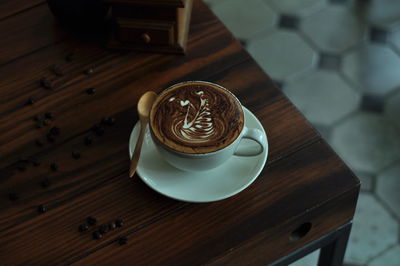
column 123, row 240
column 91, row 220
column 89, row 71
column 95, row 127
column 49, row 115
column 104, row 228
column 88, row 140
column 13, row 196
column 55, row 131
column 46, row 122
column 35, row 161
column 111, row 121
column 21, row 167
column 54, row 166
column 31, row 101
column 97, row 235
column 108, row 121
column 23, row 159
column 37, row 118
column 50, row 137
column 46, row 83
column 58, row 71
column 100, row 131
column 119, row 223
column 45, row 183
column 76, row 154
column 69, row 57
column 91, row 91
column 112, row 225
column 42, row 209
column 39, row 142
column 83, row 227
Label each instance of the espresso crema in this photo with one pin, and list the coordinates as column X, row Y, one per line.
column 196, row 117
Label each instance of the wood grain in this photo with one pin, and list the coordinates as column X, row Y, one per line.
column 9, row 8
column 300, row 165
column 28, row 31
column 210, row 229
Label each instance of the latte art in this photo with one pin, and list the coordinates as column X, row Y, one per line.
column 197, row 124
column 196, row 117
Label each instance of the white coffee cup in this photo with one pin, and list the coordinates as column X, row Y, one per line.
column 210, row 160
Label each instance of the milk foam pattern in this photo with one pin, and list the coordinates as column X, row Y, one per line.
column 197, row 126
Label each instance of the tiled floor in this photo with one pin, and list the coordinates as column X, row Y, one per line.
column 339, row 62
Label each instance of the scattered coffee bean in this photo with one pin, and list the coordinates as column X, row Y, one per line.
column 39, row 142
column 76, row 154
column 83, row 227
column 58, row 71
column 31, row 101
column 46, row 83
column 39, row 124
column 104, row 228
column 88, row 140
column 55, row 131
column 110, row 121
column 37, row 118
column 91, row 91
column 100, row 131
column 23, row 159
column 97, row 235
column 54, row 166
column 13, row 196
column 42, row 209
column 49, row 115
column 95, row 127
column 45, row 183
column 35, row 161
column 69, row 57
column 123, row 240
column 91, row 220
column 112, row 225
column 89, row 71
column 119, row 223
column 51, row 137
column 46, row 122
column 21, row 167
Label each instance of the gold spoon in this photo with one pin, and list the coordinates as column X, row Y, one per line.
column 144, row 106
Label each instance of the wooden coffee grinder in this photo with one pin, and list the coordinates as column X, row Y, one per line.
column 150, row 25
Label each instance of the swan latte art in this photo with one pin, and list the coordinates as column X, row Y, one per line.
column 196, row 117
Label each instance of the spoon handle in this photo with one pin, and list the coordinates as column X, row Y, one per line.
column 138, row 148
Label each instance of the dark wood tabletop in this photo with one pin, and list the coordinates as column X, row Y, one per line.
column 47, row 191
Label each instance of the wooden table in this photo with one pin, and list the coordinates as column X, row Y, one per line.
column 304, row 198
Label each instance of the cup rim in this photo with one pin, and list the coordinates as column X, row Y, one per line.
column 155, row 139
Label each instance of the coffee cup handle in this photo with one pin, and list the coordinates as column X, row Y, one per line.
column 256, row 135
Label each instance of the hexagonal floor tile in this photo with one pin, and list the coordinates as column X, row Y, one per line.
column 282, row 54
column 394, row 38
column 385, row 13
column 297, row 7
column 310, row 259
column 374, row 68
column 322, row 96
column 388, row 187
column 367, row 180
column 374, row 230
column 392, row 108
column 389, row 258
column 245, row 22
column 333, row 29
column 367, row 142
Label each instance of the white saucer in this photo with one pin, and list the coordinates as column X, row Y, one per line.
column 219, row 183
